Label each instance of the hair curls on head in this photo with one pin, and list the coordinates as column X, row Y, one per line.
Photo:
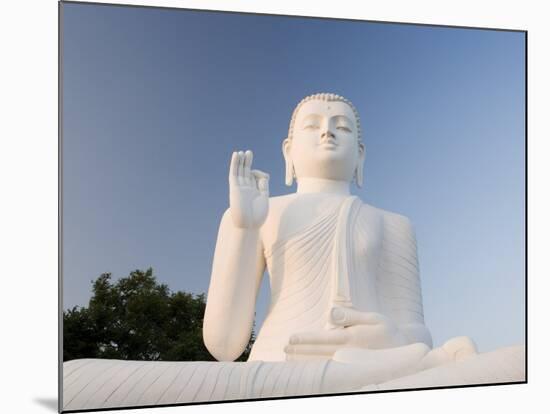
column 328, row 97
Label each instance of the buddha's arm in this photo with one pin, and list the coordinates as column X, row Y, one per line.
column 238, row 261
column 416, row 332
column 236, row 275
column 399, row 281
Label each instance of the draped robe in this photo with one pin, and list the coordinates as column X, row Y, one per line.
column 352, row 255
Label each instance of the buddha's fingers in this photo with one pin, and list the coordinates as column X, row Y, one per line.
column 246, row 167
column 332, row 337
column 233, row 166
column 309, row 351
column 341, row 316
column 262, row 181
column 307, row 357
column 240, row 168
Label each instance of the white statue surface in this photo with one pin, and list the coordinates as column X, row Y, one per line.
column 346, row 308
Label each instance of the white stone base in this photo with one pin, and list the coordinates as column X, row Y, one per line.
column 97, row 383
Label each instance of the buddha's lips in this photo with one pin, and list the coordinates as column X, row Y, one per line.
column 329, row 143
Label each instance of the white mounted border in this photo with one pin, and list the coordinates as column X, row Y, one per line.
column 28, row 167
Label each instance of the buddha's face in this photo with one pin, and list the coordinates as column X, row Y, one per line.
column 324, row 141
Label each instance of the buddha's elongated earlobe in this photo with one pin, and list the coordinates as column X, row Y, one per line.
column 289, row 173
column 360, row 164
column 289, row 166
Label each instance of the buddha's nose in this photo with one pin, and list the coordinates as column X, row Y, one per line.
column 328, row 134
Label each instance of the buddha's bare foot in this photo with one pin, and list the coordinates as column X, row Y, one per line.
column 455, row 349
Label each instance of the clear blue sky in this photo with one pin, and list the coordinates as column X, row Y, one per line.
column 155, row 101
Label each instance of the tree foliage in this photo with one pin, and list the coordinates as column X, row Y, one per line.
column 137, row 318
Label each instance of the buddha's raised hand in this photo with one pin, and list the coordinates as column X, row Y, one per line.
column 248, row 192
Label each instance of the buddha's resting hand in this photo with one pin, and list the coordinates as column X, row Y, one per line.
column 248, row 192
column 354, row 329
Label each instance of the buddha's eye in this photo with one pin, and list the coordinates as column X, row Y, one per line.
column 343, row 128
column 311, row 126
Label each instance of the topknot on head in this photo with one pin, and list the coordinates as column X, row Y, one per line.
column 328, row 97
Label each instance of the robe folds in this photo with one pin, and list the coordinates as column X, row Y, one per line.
column 353, row 255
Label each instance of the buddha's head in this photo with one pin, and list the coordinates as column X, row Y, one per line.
column 324, row 140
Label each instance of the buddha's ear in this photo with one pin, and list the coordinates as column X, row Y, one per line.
column 289, row 167
column 360, row 164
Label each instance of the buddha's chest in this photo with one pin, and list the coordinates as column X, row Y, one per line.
column 313, row 223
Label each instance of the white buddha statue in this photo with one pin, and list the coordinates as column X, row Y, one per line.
column 342, row 273
column 346, row 306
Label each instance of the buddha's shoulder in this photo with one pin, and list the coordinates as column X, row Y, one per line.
column 281, row 200
column 389, row 218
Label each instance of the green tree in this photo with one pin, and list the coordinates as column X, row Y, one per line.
column 137, row 318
